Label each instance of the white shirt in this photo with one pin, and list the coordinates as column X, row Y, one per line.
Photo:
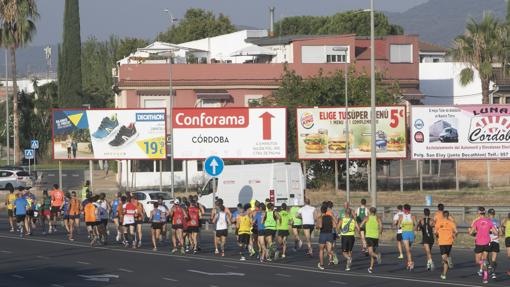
column 307, row 214
column 396, row 218
column 221, row 224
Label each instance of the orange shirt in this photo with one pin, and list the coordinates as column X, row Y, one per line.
column 445, row 229
column 90, row 212
column 57, row 197
column 74, row 206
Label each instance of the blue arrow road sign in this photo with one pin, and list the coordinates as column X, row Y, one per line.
column 34, row 144
column 29, row 154
column 214, row 165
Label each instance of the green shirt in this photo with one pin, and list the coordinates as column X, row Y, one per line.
column 372, row 227
column 293, row 214
column 348, row 230
column 270, row 223
column 283, row 223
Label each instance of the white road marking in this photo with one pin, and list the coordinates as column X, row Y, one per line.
column 338, row 282
column 17, row 276
column 283, row 275
column 5, row 251
column 42, row 257
column 56, row 285
column 230, row 266
column 125, row 270
column 274, row 265
column 83, row 263
column 216, row 274
column 170, row 279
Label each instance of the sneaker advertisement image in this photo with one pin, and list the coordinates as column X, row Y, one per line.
column 109, row 134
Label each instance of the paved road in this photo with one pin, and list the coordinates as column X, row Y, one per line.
column 53, row 261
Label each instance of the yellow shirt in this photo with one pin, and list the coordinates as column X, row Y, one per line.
column 10, row 201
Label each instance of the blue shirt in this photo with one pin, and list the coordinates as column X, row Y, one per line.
column 115, row 204
column 258, row 219
column 21, row 205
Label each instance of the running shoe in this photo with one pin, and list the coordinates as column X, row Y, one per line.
column 106, row 128
column 379, row 259
column 243, row 258
column 450, row 263
column 300, row 244
column 174, row 250
column 276, row 255
column 443, row 277
column 400, row 256
column 321, row 267
column 480, row 273
column 370, row 270
column 124, row 136
column 493, row 275
column 335, row 259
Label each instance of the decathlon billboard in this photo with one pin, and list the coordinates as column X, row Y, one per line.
column 460, row 132
column 84, row 134
column 230, row 133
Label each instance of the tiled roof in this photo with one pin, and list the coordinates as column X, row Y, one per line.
column 431, row 48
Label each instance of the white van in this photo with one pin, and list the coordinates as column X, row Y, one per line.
column 280, row 182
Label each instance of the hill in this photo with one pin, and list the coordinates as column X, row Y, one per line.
column 439, row 21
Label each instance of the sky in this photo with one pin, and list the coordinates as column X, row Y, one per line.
column 145, row 18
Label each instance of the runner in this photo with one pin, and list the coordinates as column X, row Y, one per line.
column 120, row 212
column 221, row 221
column 57, row 202
column 482, row 228
column 307, row 215
column 505, row 229
column 494, row 245
column 439, row 215
column 235, row 214
column 9, row 202
column 178, row 216
column 261, row 232
column 270, row 230
column 165, row 215
column 91, row 222
column 104, row 211
column 335, row 215
column 140, row 213
column 244, row 226
column 396, row 218
column 446, row 231
column 282, row 227
column 348, row 226
column 426, row 226
column 30, row 198
column 45, row 212
column 65, row 212
column 74, row 214
column 296, row 225
column 408, row 223
column 374, row 229
column 115, row 216
column 130, row 213
column 156, row 225
column 361, row 213
column 20, row 211
column 325, row 223
column 194, row 216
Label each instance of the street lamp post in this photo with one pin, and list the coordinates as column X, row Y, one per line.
column 373, row 160
column 7, row 111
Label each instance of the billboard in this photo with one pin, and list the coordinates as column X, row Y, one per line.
column 460, row 132
column 230, row 133
column 84, row 134
column 321, row 133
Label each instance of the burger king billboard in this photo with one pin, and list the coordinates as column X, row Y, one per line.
column 230, row 133
column 322, row 133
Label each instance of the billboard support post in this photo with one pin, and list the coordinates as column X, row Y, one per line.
column 456, row 175
column 91, row 176
column 336, row 175
column 60, row 174
column 401, row 175
column 421, row 174
column 186, row 176
column 489, row 185
column 127, row 176
column 160, row 176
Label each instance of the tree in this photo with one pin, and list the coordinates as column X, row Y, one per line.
column 97, row 64
column 18, row 27
column 197, row 24
column 351, row 22
column 125, row 46
column 482, row 45
column 69, row 73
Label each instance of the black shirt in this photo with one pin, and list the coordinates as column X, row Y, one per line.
column 327, row 224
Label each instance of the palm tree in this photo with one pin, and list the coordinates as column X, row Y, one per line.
column 482, row 47
column 17, row 28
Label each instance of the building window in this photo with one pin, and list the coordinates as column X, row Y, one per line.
column 495, row 100
column 507, row 100
column 401, row 53
column 142, row 166
column 178, row 165
column 335, row 58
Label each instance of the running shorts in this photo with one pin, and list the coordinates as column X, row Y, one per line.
column 10, row 213
column 482, row 248
column 244, row 239
column 46, row 212
column 507, row 242
column 445, row 249
column 347, row 243
column 91, row 223
column 428, row 240
column 193, row 229
column 494, row 247
column 283, row 233
column 399, row 237
column 67, row 216
column 270, row 232
column 20, row 218
column 362, row 229
column 176, row 226
column 30, row 212
column 222, row 232
column 55, row 210
column 104, row 222
column 297, row 226
column 309, row 227
column 325, row 237
column 372, row 242
column 408, row 235
column 157, row 225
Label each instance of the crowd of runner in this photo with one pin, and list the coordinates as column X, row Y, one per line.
column 261, row 229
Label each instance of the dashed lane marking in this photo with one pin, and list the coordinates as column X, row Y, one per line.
column 125, row 270
column 170, row 279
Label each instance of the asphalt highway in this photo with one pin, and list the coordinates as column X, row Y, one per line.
column 54, row 261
